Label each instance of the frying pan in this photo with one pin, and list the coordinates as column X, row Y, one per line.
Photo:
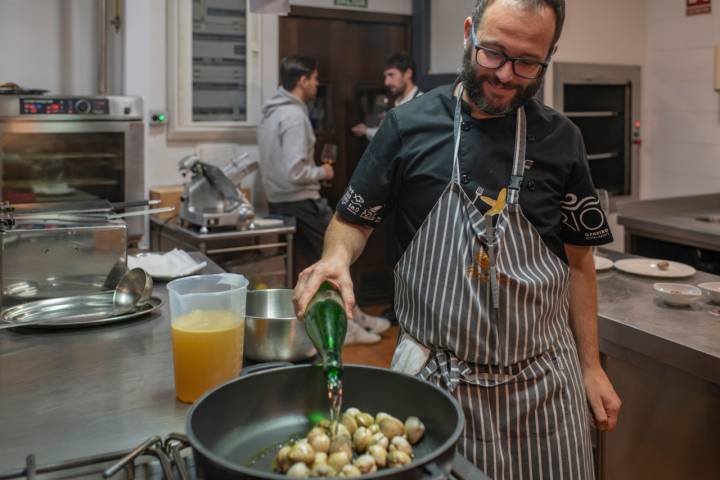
column 235, row 429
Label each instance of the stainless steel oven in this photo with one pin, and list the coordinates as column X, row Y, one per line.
column 604, row 102
column 72, row 148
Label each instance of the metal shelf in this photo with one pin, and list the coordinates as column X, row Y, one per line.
column 598, row 114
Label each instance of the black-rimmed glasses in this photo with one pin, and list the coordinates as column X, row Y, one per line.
column 494, row 59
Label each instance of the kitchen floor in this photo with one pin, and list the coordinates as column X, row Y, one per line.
column 379, row 354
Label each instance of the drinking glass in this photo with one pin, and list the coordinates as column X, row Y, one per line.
column 207, row 314
column 328, row 156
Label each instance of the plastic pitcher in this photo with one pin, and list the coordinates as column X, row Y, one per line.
column 208, row 324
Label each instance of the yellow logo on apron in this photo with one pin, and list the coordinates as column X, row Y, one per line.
column 480, row 269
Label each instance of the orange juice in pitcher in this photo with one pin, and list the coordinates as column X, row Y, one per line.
column 208, row 324
column 207, row 351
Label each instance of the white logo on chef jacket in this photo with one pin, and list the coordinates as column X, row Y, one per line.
column 354, row 201
column 346, row 197
column 584, row 214
column 371, row 214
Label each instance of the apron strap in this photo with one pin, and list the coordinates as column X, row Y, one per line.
column 448, row 366
column 452, row 371
column 457, row 124
column 518, row 170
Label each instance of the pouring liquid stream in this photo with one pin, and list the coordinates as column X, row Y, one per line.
column 335, row 395
column 326, row 325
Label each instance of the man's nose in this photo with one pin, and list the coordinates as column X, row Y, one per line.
column 505, row 73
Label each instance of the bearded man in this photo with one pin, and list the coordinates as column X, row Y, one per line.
column 495, row 216
column 399, row 79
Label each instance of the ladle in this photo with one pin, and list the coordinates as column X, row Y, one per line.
column 133, row 289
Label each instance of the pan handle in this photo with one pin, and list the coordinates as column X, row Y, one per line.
column 433, row 472
column 260, row 367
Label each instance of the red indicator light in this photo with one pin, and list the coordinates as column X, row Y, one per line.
column 637, row 123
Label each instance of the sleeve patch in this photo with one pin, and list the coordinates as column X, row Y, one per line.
column 584, row 215
column 354, row 203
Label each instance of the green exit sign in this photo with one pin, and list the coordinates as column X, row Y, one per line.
column 352, row 3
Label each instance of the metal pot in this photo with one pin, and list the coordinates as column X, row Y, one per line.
column 272, row 331
column 234, row 428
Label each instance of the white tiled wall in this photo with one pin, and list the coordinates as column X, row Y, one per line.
column 681, row 111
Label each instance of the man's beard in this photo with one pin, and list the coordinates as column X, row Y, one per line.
column 398, row 91
column 473, row 83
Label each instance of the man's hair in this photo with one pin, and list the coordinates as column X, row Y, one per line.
column 557, row 6
column 402, row 61
column 294, row 67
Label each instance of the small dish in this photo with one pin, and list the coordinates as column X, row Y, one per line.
column 677, row 294
column 711, row 291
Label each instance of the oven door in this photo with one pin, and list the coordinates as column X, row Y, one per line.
column 65, row 161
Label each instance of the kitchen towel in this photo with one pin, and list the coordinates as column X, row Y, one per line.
column 173, row 264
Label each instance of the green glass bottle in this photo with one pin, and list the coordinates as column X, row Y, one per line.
column 326, row 325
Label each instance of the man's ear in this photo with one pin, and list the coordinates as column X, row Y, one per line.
column 467, row 28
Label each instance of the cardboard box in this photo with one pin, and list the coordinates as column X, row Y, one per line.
column 169, row 196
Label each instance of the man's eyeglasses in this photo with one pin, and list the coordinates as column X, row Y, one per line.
column 495, row 59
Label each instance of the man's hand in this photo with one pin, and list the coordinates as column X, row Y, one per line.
column 309, row 280
column 604, row 402
column 329, row 172
column 359, row 130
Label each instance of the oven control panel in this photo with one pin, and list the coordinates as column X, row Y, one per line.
column 59, row 106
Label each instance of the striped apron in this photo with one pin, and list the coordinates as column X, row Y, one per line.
column 483, row 307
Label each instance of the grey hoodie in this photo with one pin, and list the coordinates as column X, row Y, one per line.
column 287, row 143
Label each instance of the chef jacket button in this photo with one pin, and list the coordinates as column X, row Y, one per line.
column 466, row 126
column 531, row 185
column 465, row 179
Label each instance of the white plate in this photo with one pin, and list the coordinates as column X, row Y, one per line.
column 649, row 268
column 602, row 263
column 50, row 188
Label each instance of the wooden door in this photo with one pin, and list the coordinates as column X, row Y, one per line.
column 351, row 48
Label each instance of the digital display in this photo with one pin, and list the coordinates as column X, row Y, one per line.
column 56, row 106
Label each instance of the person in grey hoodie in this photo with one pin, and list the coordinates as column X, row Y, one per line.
column 286, row 141
column 290, row 177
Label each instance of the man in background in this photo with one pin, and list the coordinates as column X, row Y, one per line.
column 291, row 178
column 399, row 76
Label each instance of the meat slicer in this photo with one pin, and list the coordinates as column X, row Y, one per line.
column 211, row 199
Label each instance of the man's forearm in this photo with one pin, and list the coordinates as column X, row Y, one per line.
column 583, row 305
column 344, row 241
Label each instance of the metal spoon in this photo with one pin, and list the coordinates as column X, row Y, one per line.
column 133, row 290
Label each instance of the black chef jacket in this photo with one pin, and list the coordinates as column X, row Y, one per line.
column 409, row 162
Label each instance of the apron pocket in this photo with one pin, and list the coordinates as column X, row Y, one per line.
column 410, row 356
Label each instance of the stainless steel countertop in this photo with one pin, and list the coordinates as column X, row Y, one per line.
column 630, row 316
column 674, row 219
column 73, row 393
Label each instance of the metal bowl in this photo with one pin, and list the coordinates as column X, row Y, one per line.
column 272, row 331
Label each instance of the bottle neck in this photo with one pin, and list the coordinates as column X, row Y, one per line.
column 332, row 363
